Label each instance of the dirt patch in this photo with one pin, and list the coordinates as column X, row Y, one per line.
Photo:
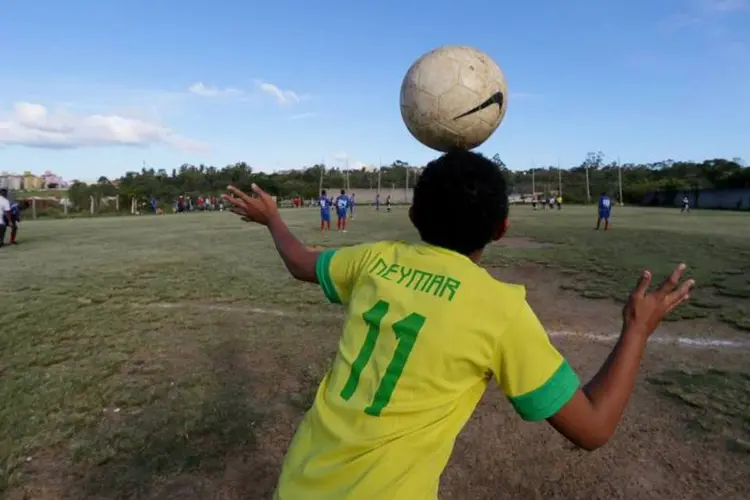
column 261, row 383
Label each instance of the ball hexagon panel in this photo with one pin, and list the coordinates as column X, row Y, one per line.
column 435, row 74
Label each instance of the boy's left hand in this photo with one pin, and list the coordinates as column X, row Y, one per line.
column 261, row 208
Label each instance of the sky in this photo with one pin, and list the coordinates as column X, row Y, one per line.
column 101, row 87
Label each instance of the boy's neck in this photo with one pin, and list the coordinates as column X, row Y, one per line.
column 476, row 256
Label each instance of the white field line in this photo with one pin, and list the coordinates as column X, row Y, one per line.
column 695, row 342
column 680, row 341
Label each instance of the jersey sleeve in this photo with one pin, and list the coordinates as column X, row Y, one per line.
column 535, row 377
column 339, row 269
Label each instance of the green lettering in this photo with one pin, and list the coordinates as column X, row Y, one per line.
column 391, row 270
column 424, row 282
column 451, row 285
column 436, row 283
column 404, row 275
column 379, row 267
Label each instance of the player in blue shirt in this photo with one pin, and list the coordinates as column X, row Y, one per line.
column 325, row 212
column 12, row 218
column 342, row 208
column 351, row 205
column 605, row 209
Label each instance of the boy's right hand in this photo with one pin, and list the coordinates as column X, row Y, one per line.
column 644, row 311
column 261, row 208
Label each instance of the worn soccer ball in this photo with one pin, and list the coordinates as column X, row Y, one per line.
column 453, row 97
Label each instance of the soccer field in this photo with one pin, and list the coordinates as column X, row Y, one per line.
column 171, row 357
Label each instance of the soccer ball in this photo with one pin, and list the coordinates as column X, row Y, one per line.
column 453, row 97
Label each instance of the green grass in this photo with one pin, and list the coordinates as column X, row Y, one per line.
column 715, row 401
column 117, row 375
column 715, row 246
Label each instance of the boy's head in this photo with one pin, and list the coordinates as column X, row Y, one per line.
column 460, row 202
column 343, row 192
column 3, row 192
column 323, row 193
column 604, row 193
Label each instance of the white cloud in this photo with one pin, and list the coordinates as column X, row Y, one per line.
column 201, row 89
column 283, row 97
column 32, row 125
column 343, row 160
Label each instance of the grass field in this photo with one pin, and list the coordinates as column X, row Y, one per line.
column 171, row 357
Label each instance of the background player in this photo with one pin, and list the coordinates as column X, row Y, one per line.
column 342, row 210
column 685, row 204
column 410, row 304
column 325, row 212
column 5, row 215
column 15, row 219
column 351, row 205
column 605, row 209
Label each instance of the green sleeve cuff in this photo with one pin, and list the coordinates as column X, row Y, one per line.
column 323, row 272
column 547, row 399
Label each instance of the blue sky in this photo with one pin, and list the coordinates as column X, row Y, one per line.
column 287, row 83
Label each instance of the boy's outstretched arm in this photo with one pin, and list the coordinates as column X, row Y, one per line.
column 299, row 259
column 591, row 416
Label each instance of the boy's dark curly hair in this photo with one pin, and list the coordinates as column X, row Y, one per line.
column 460, row 202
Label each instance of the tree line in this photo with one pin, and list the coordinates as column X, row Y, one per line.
column 580, row 183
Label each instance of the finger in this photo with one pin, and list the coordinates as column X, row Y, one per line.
column 239, row 193
column 683, row 291
column 236, row 202
column 643, row 283
column 259, row 192
column 669, row 284
column 682, row 299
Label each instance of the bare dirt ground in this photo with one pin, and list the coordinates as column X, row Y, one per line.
column 654, row 455
column 146, row 376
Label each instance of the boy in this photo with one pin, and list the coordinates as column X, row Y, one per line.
column 325, row 212
column 342, row 209
column 425, row 330
column 377, row 202
column 5, row 215
column 15, row 219
column 388, row 203
column 351, row 205
column 685, row 204
column 605, row 209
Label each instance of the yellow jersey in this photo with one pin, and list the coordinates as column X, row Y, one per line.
column 426, row 329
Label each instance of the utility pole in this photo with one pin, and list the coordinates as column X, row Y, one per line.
column 619, row 178
column 322, row 173
column 533, row 183
column 406, row 192
column 380, row 164
column 588, row 186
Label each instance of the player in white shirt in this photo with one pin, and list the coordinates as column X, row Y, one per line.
column 685, row 204
column 4, row 215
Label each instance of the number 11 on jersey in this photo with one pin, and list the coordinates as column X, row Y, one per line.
column 406, row 331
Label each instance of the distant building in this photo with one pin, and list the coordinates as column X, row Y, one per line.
column 52, row 181
column 31, row 181
column 10, row 181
